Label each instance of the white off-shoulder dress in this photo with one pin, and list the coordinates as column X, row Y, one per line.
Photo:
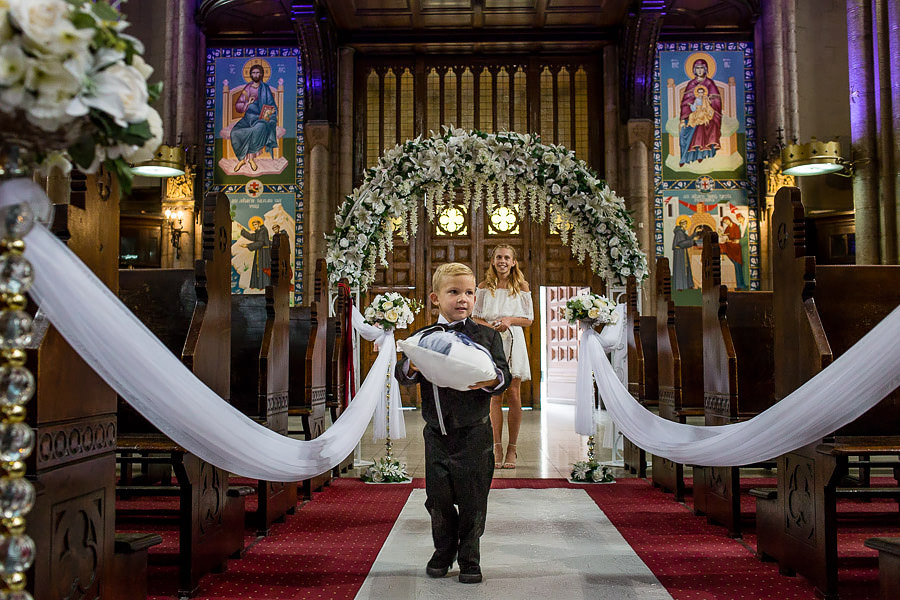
column 492, row 307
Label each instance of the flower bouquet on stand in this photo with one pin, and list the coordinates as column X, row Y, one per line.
column 389, row 311
column 591, row 309
column 594, row 311
column 392, row 311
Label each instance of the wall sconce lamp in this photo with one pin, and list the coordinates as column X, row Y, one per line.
column 167, row 161
column 175, row 231
column 814, row 158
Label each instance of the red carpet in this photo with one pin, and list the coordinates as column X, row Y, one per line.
column 327, row 548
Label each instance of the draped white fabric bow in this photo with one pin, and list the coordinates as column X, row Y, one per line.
column 390, row 389
column 851, row 385
column 609, row 338
column 156, row 383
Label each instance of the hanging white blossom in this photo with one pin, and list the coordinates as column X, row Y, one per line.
column 592, row 219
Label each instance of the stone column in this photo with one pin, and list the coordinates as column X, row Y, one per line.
column 181, row 109
column 319, row 137
column 790, row 93
column 887, row 159
column 611, row 116
column 345, row 112
column 893, row 37
column 777, row 55
column 640, row 199
column 862, row 126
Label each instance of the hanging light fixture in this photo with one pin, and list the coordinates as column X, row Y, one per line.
column 813, row 158
column 167, row 161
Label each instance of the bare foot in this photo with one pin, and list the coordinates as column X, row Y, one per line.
column 252, row 165
column 240, row 164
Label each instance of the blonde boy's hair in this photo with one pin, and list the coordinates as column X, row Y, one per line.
column 448, row 270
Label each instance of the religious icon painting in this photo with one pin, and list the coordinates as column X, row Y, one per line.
column 705, row 161
column 255, row 222
column 688, row 214
column 254, row 152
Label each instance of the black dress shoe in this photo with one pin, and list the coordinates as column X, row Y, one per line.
column 470, row 574
column 438, row 567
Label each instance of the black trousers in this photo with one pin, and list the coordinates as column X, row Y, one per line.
column 459, row 467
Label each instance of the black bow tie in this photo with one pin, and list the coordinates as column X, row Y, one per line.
column 458, row 326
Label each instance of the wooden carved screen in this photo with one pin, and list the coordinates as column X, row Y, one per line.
column 400, row 98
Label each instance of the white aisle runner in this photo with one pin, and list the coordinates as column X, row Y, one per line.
column 548, row 543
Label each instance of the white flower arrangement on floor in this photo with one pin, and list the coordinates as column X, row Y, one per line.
column 391, row 311
column 593, row 309
column 591, row 471
column 495, row 169
column 386, row 470
column 73, row 87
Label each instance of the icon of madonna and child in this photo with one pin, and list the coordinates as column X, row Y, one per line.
column 702, row 121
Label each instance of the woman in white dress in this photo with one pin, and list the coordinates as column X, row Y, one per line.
column 503, row 302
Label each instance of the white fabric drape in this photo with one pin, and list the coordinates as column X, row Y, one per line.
column 155, row 382
column 380, row 425
column 851, row 385
column 610, row 337
column 140, row 368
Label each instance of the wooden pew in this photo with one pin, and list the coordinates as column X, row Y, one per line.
column 339, row 357
column 306, row 395
column 819, row 313
column 888, row 565
column 73, row 414
column 260, row 371
column 190, row 312
column 679, row 359
column 641, row 380
column 738, row 377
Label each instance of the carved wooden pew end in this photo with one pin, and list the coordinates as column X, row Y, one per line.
column 888, row 565
column 129, row 572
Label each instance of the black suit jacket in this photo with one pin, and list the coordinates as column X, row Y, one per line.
column 460, row 409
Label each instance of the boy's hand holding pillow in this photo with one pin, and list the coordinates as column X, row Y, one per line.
column 449, row 359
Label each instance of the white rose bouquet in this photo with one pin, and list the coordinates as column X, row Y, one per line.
column 391, row 311
column 73, row 87
column 590, row 471
column 592, row 308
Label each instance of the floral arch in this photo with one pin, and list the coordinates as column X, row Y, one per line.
column 495, row 169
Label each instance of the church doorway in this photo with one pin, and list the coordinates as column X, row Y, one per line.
column 458, row 234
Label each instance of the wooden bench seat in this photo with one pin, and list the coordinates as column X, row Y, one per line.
column 820, row 312
column 888, row 565
column 738, row 378
column 679, row 344
column 189, row 311
column 642, row 377
column 129, row 571
column 260, row 373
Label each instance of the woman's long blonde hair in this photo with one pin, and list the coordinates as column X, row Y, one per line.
column 516, row 279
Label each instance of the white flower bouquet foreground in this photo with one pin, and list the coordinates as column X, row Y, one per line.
column 386, row 470
column 391, row 311
column 593, row 309
column 591, row 471
column 73, row 87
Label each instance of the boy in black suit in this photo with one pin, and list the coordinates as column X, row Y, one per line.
column 459, row 458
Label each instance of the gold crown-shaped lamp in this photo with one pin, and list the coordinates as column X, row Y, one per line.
column 167, row 161
column 812, row 158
